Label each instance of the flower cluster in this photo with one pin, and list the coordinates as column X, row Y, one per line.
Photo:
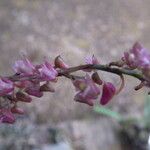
column 138, row 58
column 90, row 87
column 29, row 80
column 33, row 80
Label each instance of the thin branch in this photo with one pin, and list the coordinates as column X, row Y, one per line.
column 107, row 68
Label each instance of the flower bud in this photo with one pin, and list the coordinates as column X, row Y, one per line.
column 20, row 96
column 47, row 87
column 96, row 78
column 6, row 116
column 59, row 63
column 17, row 110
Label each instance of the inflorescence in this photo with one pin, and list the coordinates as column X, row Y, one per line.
column 33, row 80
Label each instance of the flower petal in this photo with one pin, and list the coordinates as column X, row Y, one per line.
column 47, row 72
column 108, row 93
column 6, row 116
column 24, row 66
column 6, row 86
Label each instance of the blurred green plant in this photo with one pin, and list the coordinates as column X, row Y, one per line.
column 146, row 114
column 144, row 120
column 107, row 112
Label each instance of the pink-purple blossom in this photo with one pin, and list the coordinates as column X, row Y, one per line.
column 87, row 90
column 30, row 80
column 34, row 90
column 47, row 72
column 91, row 60
column 137, row 57
column 24, row 67
column 6, row 86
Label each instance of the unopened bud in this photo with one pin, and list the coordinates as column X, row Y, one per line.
column 23, row 97
column 47, row 87
column 59, row 63
column 6, row 116
column 17, row 110
column 96, row 78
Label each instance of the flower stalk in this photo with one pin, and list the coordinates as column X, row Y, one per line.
column 106, row 68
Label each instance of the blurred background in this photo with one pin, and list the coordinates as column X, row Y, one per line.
column 75, row 29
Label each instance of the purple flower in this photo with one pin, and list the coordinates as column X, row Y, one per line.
column 137, row 57
column 47, row 72
column 24, row 67
column 130, row 60
column 6, row 116
column 80, row 84
column 6, row 86
column 87, row 90
column 108, row 92
column 91, row 60
column 34, row 90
